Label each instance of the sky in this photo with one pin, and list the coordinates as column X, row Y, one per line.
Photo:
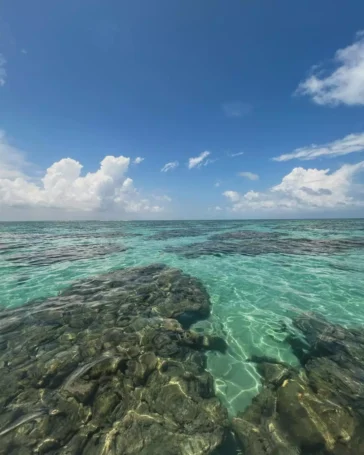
column 181, row 109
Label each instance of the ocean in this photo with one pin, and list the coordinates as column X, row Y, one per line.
column 259, row 276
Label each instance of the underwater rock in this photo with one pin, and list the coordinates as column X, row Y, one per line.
column 255, row 243
column 176, row 233
column 246, row 234
column 316, row 410
column 92, row 234
column 105, row 368
column 70, row 253
column 9, row 247
column 181, row 232
column 195, row 229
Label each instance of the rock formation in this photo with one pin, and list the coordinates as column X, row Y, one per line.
column 106, row 368
column 317, row 409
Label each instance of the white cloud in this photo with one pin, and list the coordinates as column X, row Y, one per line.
column 345, row 84
column 233, row 155
column 138, row 160
column 305, row 189
column 170, row 166
column 2, row 70
column 12, row 160
column 198, row 160
column 234, row 196
column 348, row 144
column 249, row 175
column 64, row 188
column 217, row 183
column 236, row 109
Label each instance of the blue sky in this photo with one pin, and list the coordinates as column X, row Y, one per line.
column 167, row 81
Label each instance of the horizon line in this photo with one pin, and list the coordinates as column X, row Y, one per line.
column 180, row 219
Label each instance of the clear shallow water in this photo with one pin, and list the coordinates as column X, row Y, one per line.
column 254, row 288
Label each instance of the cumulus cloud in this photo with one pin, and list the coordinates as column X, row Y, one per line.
column 198, row 161
column 236, row 109
column 64, row 188
column 344, row 84
column 138, row 160
column 249, row 175
column 2, row 70
column 348, row 144
column 170, row 166
column 308, row 189
column 234, row 196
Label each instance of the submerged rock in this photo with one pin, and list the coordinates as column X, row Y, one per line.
column 195, row 229
column 106, row 368
column 70, row 253
column 246, row 235
column 176, row 233
column 254, row 243
column 180, row 232
column 9, row 247
column 318, row 409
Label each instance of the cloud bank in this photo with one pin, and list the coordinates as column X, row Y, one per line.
column 305, row 189
column 64, row 188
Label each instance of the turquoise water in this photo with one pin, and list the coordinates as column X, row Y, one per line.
column 258, row 279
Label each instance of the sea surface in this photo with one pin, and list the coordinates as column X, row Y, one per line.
column 259, row 275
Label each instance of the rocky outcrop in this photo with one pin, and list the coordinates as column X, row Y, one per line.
column 316, row 409
column 106, row 368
